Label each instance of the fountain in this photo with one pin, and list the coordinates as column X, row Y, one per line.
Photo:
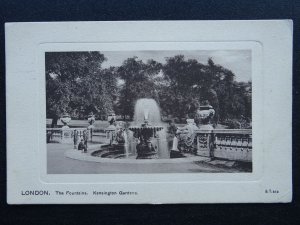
column 145, row 138
column 148, row 131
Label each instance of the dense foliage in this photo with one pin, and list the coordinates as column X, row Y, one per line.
column 77, row 84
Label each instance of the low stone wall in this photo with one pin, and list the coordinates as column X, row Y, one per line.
column 65, row 135
column 231, row 144
column 61, row 135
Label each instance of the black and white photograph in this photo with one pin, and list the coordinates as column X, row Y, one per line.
column 149, row 112
column 158, row 111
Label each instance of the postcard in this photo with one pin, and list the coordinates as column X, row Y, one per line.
column 149, row 112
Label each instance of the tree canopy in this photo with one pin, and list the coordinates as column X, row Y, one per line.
column 77, row 84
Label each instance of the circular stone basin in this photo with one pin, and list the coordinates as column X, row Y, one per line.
column 111, row 154
column 108, row 155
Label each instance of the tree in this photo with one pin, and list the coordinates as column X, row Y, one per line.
column 190, row 83
column 138, row 78
column 181, row 95
column 77, row 84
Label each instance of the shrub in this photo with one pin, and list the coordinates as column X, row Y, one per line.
column 232, row 124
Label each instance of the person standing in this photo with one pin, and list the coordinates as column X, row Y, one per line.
column 75, row 138
column 85, row 139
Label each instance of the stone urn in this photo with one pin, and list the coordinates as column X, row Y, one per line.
column 66, row 132
column 111, row 118
column 91, row 120
column 65, row 119
column 204, row 116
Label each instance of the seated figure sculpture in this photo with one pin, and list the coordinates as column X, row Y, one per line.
column 120, row 134
column 184, row 138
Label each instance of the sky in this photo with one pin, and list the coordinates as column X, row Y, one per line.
column 238, row 61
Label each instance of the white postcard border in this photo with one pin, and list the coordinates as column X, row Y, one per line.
column 23, row 83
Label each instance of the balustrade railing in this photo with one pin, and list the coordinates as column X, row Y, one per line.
column 232, row 144
column 63, row 135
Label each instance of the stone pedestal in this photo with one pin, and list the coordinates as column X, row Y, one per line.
column 204, row 143
column 110, row 133
column 66, row 136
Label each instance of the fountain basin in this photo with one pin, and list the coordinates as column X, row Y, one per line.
column 77, row 155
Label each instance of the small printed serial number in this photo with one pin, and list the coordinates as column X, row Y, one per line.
column 271, row 191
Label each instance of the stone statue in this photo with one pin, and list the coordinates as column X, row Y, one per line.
column 111, row 129
column 91, row 120
column 184, row 138
column 120, row 134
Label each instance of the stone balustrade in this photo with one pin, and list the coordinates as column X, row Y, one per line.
column 232, row 144
column 63, row 135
